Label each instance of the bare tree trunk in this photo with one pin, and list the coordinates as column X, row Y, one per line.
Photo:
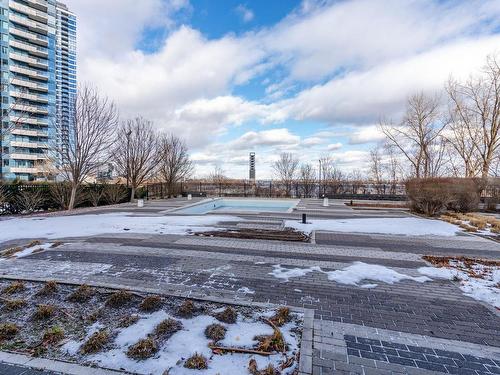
column 72, row 198
column 132, row 194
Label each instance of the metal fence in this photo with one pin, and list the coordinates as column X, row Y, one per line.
column 274, row 189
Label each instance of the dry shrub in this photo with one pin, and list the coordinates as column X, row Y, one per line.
column 215, row 332
column 8, row 331
column 13, row 250
column 196, row 362
column 82, row 294
column 14, row 287
column 128, row 320
column 479, row 223
column 281, row 316
column 272, row 343
column 53, row 335
column 14, row 304
column 150, row 303
column 96, row 342
column 44, row 312
column 30, row 200
column 430, row 196
column 48, row 289
column 468, row 228
column 167, row 327
column 56, row 244
column 119, row 298
column 115, row 193
column 186, row 309
column 143, row 349
column 229, row 315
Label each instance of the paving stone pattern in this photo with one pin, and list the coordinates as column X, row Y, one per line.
column 422, row 357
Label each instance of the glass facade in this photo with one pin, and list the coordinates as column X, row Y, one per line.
column 37, row 53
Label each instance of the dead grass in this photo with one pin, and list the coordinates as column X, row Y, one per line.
column 8, row 331
column 167, row 327
column 82, row 294
column 186, row 309
column 48, row 289
column 56, row 244
column 11, row 251
column 53, row 335
column 96, row 342
column 196, row 362
column 44, row 312
column 215, row 332
column 281, row 316
column 229, row 315
column 151, row 303
column 14, row 287
column 33, row 244
column 143, row 349
column 14, row 304
column 128, row 320
column 119, row 298
column 272, row 343
column 468, row 228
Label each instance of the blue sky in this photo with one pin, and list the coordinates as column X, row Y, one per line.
column 311, row 77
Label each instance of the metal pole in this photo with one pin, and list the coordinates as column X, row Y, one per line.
column 128, row 156
column 319, row 179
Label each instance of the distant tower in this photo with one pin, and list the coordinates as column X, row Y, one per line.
column 252, row 166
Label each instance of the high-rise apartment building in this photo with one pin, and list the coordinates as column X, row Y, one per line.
column 251, row 165
column 38, row 74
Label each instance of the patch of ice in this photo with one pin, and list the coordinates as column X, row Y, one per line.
column 246, row 290
column 89, row 225
column 409, row 226
column 288, row 273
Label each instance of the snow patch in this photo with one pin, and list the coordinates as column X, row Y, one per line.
column 288, row 273
column 90, row 225
column 410, row 226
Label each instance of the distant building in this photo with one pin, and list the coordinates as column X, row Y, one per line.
column 38, row 84
column 252, row 166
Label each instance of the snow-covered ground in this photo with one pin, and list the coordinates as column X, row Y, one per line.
column 185, row 343
column 89, row 225
column 409, row 226
column 485, row 288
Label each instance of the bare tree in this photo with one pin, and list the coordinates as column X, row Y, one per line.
column 392, row 167
column 136, row 152
column 285, row 169
column 475, row 114
column 174, row 162
column 332, row 177
column 218, row 176
column 307, row 178
column 377, row 168
column 419, row 135
column 94, row 120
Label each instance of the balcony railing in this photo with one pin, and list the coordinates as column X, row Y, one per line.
column 30, row 24
column 30, row 12
column 32, row 37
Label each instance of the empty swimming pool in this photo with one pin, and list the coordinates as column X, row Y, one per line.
column 240, row 205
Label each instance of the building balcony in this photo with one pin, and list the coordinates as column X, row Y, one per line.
column 29, row 133
column 37, row 63
column 30, row 12
column 30, row 24
column 32, row 37
column 29, row 72
column 32, row 49
column 38, row 4
column 30, row 84
column 27, row 156
column 29, row 96
column 28, row 120
column 26, row 144
column 32, row 170
column 30, row 109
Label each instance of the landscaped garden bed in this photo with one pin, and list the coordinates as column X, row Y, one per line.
column 146, row 333
column 286, row 234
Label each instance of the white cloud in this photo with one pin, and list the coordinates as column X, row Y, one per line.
column 366, row 135
column 334, row 146
column 245, row 13
column 273, row 137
